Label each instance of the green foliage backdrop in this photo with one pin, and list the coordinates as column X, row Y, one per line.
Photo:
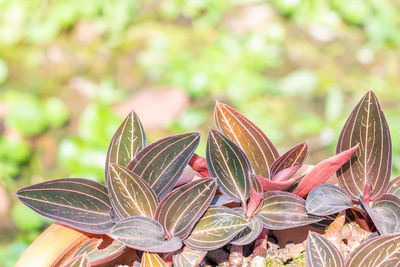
column 68, row 68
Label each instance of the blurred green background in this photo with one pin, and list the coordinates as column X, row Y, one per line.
column 71, row 69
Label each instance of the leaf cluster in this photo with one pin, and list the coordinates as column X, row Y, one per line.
column 163, row 198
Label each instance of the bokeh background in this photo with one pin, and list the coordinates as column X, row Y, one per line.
column 70, row 70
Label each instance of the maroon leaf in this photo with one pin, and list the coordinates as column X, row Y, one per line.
column 394, row 187
column 216, row 228
column 327, row 199
column 180, row 209
column 377, row 252
column 372, row 162
column 229, row 165
column 128, row 140
column 161, row 163
column 293, row 157
column 130, row 195
column 80, row 203
column 320, row 252
column 260, row 150
column 322, row 171
column 385, row 213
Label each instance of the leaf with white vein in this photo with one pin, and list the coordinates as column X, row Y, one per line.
column 80, row 203
column 180, row 209
column 372, row 162
column 161, row 163
column 127, row 141
column 283, row 210
column 130, row 195
column 244, row 133
column 320, row 252
column 145, row 234
column 216, row 228
column 229, row 165
column 381, row 251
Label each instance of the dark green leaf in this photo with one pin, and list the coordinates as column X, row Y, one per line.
column 80, row 203
column 161, row 163
column 372, row 162
column 327, row 199
column 144, row 234
column 381, row 251
column 130, row 195
column 216, row 228
column 180, row 209
column 98, row 255
column 260, row 150
column 188, row 257
column 229, row 165
column 128, row 140
column 293, row 157
column 320, row 252
column 283, row 210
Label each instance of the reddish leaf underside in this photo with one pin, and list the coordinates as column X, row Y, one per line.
column 372, row 162
column 286, row 174
column 270, row 185
column 256, row 195
column 322, row 171
column 199, row 164
column 258, row 148
column 293, row 157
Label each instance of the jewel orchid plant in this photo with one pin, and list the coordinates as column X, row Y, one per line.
column 172, row 206
column 364, row 190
